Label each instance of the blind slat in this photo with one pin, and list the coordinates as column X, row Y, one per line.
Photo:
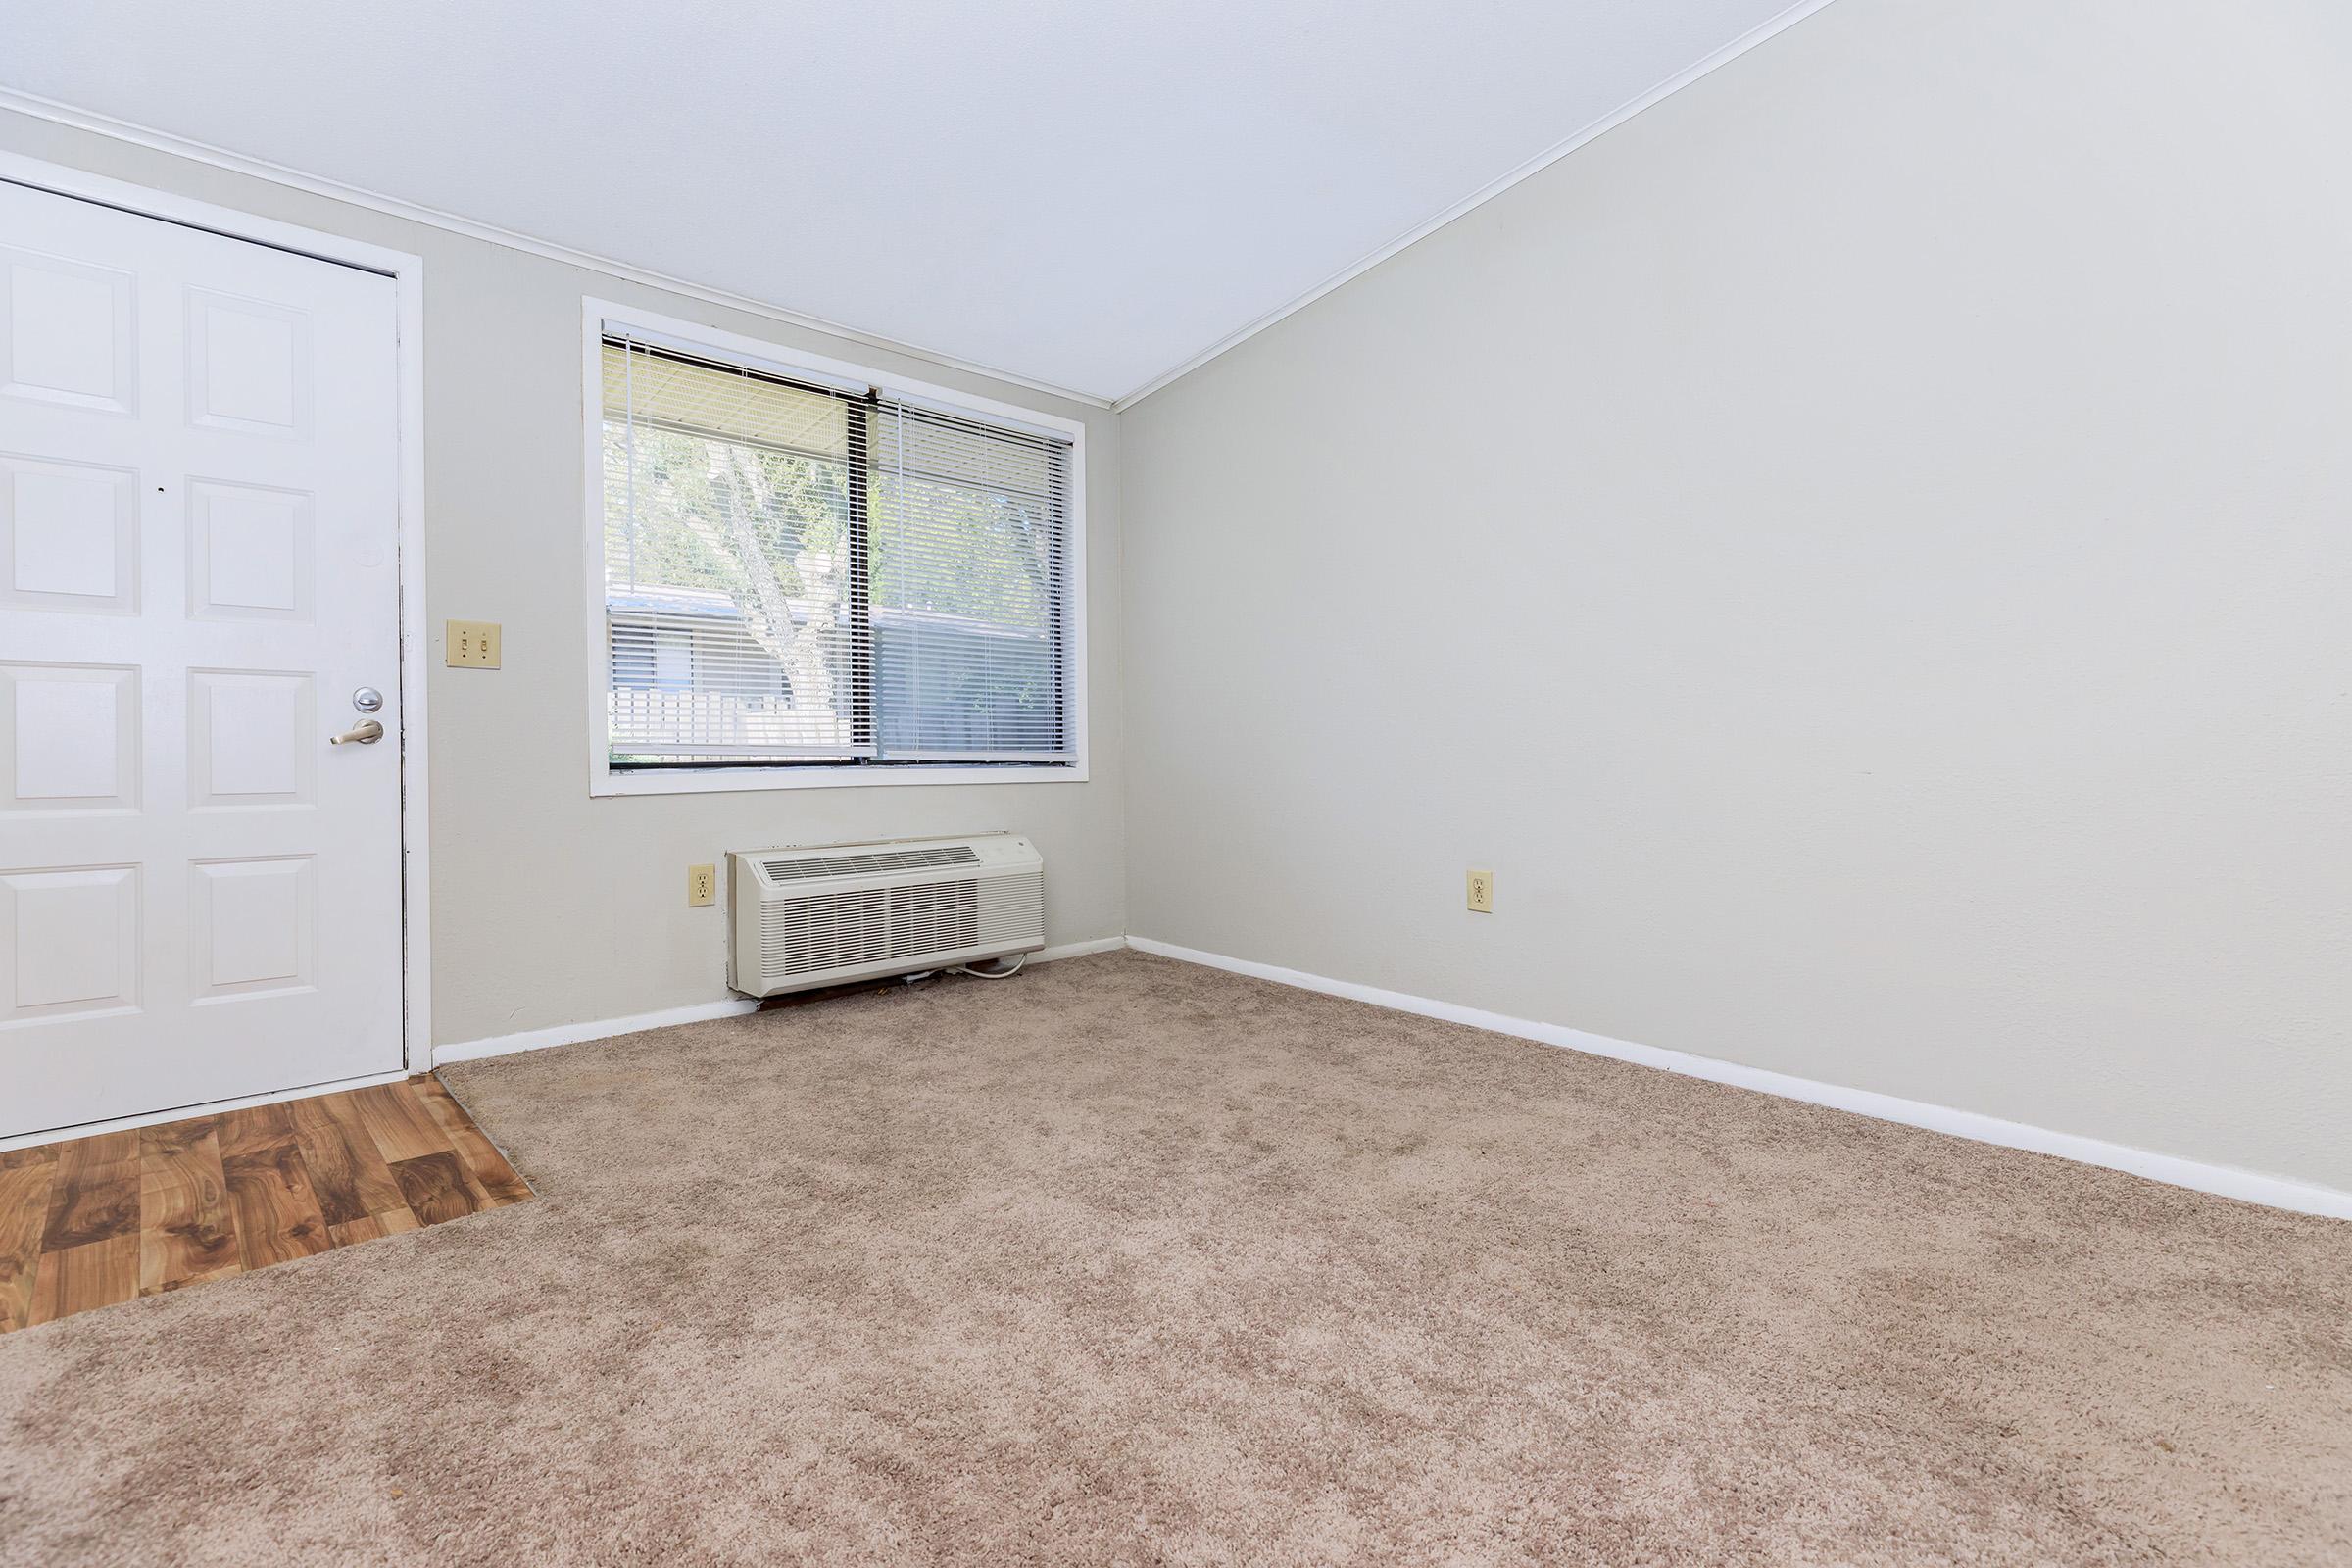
column 769, row 597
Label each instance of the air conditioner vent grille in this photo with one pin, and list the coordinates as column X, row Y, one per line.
column 829, row 914
column 868, row 861
column 877, row 925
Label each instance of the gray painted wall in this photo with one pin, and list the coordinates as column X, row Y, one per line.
column 1863, row 551
column 550, row 907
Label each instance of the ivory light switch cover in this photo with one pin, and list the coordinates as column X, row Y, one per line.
column 471, row 644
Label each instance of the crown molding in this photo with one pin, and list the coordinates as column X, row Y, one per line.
column 62, row 114
column 1483, row 194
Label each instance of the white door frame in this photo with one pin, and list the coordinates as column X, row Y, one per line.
column 406, row 272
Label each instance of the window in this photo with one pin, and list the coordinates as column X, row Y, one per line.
column 824, row 579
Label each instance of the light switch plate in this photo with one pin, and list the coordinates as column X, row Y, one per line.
column 701, row 886
column 1482, row 891
column 470, row 644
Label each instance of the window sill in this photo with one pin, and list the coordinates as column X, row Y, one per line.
column 724, row 781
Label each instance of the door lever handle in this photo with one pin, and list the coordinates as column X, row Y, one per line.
column 366, row 732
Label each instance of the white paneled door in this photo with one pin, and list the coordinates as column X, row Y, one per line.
column 200, row 897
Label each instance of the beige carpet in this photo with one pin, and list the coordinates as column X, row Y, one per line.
column 1125, row 1262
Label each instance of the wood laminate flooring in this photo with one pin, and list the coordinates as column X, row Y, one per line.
column 96, row 1220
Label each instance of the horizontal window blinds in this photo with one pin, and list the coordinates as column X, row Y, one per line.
column 797, row 574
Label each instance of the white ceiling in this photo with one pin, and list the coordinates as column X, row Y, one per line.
column 1084, row 193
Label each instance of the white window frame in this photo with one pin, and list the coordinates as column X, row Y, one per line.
column 600, row 317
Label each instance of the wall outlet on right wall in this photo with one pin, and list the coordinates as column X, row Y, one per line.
column 1482, row 891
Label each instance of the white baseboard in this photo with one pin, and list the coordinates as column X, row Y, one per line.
column 2276, row 1192
column 1078, row 949
column 572, row 1034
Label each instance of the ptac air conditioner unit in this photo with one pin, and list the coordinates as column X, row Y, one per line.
column 834, row 912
